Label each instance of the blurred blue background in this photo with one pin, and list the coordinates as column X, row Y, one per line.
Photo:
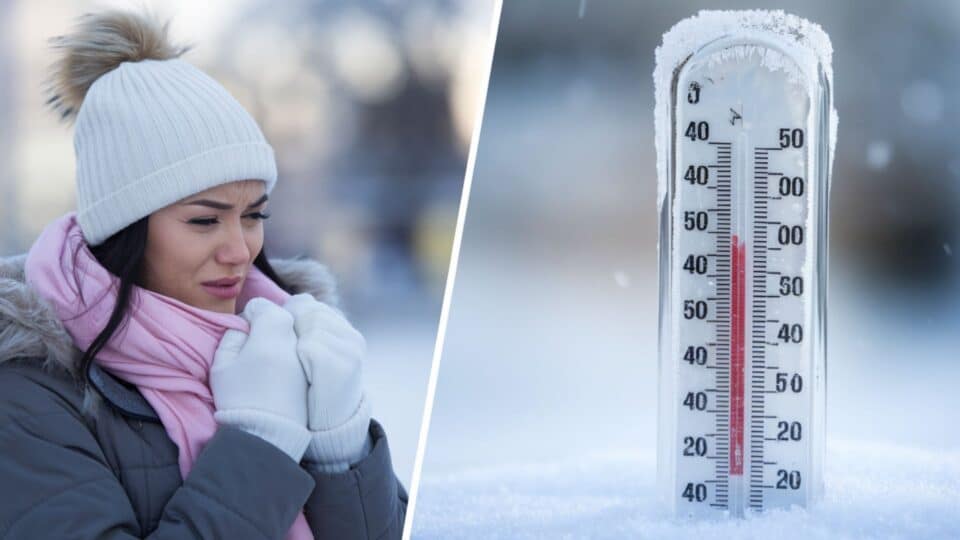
column 544, row 420
column 369, row 106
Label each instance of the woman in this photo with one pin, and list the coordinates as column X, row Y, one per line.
column 135, row 401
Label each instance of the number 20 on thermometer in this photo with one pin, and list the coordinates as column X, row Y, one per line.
column 745, row 130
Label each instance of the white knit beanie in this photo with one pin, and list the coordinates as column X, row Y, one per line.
column 151, row 129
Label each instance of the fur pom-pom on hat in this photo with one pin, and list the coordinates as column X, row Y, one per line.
column 99, row 44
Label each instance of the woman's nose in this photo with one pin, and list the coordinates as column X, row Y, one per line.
column 233, row 249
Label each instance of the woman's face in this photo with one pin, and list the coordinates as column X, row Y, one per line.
column 205, row 238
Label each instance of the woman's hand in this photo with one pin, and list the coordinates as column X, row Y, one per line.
column 331, row 352
column 257, row 381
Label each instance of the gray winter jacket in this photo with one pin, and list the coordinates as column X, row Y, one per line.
column 93, row 460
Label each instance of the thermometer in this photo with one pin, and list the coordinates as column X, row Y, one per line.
column 745, row 132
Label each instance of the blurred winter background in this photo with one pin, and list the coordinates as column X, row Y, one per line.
column 369, row 106
column 544, row 420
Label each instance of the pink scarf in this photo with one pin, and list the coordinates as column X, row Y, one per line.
column 166, row 348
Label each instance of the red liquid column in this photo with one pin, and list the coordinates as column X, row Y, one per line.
column 738, row 257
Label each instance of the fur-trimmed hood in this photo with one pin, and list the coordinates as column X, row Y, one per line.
column 29, row 327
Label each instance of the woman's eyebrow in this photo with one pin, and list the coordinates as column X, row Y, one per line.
column 224, row 206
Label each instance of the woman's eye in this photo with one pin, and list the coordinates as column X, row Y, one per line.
column 203, row 221
column 214, row 221
column 258, row 215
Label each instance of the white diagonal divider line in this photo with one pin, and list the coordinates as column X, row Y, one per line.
column 451, row 276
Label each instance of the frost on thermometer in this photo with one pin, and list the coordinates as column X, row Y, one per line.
column 745, row 132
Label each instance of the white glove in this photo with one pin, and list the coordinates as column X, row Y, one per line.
column 257, row 382
column 331, row 353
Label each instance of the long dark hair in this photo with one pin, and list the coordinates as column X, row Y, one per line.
column 123, row 256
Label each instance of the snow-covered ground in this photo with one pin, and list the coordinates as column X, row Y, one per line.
column 873, row 491
column 544, row 424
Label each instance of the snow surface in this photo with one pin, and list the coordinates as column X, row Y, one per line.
column 873, row 491
column 575, row 379
column 806, row 43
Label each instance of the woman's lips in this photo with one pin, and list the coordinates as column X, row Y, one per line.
column 226, row 293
